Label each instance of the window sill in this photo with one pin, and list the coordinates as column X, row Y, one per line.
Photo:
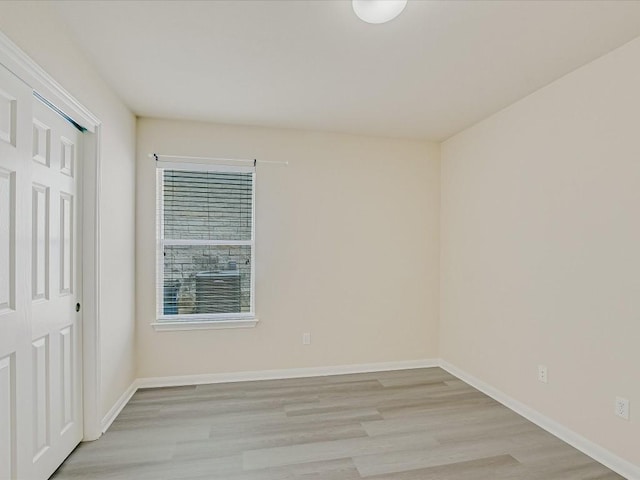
column 172, row 326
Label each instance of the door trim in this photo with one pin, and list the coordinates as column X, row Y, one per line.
column 21, row 65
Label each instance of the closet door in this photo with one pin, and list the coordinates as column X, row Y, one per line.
column 40, row 356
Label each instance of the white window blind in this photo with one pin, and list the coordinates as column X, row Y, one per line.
column 205, row 242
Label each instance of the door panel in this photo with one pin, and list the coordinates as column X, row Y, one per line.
column 41, row 394
column 40, row 239
column 41, row 142
column 8, row 114
column 56, row 242
column 67, row 380
column 15, row 283
column 7, row 239
column 66, row 243
column 40, row 331
column 7, row 417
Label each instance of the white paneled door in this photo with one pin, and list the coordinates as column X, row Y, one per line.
column 40, row 284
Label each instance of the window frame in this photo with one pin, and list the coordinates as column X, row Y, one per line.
column 197, row 321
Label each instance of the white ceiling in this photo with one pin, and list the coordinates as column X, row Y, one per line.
column 436, row 69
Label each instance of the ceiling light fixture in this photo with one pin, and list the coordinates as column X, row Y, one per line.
column 378, row 11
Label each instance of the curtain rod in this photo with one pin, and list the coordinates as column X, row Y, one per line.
column 158, row 156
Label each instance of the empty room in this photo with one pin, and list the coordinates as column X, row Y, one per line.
column 319, row 239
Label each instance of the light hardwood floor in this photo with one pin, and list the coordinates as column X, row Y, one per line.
column 404, row 425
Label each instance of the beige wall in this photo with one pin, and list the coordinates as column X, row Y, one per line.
column 539, row 224
column 541, row 249
column 346, row 249
column 35, row 28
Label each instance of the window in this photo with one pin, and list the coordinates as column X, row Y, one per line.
column 205, row 231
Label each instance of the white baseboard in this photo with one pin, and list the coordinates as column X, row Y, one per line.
column 152, row 382
column 595, row 451
column 118, row 406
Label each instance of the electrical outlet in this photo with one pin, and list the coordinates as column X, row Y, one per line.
column 622, row 408
column 306, row 339
column 542, row 374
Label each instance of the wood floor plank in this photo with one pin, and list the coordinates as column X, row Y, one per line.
column 236, row 444
column 420, row 424
column 331, row 450
column 439, row 455
column 501, row 467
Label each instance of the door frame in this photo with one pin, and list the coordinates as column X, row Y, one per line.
column 21, row 65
